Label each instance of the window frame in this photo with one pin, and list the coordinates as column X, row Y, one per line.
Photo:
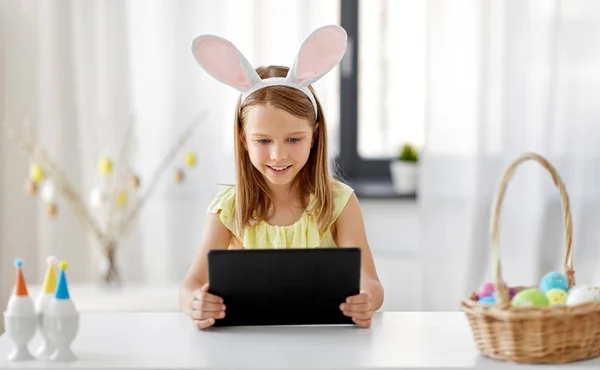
column 370, row 178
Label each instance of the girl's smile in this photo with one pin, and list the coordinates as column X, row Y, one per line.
column 279, row 170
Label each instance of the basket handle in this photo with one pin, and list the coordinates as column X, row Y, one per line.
column 503, row 298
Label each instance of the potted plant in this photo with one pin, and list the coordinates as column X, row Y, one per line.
column 405, row 170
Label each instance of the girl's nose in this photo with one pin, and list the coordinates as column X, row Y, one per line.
column 278, row 153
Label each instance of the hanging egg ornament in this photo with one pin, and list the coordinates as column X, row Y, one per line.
column 179, row 176
column 51, row 209
column 36, row 173
column 105, row 165
column 134, row 182
column 190, row 159
column 49, row 193
column 97, row 198
column 121, row 199
column 31, row 187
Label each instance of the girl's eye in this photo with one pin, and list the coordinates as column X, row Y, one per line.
column 294, row 140
column 263, row 141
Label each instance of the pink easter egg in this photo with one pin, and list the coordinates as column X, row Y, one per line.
column 485, row 290
column 512, row 292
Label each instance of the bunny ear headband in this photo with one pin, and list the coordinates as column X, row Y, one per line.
column 322, row 50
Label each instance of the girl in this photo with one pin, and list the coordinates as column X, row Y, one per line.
column 285, row 197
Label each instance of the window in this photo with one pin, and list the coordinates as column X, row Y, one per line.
column 382, row 88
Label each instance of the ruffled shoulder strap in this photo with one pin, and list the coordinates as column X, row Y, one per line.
column 224, row 205
column 341, row 194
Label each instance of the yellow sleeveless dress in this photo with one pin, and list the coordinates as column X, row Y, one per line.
column 304, row 233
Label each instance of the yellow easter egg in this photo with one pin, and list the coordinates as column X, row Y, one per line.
column 121, row 198
column 190, row 159
column 556, row 296
column 105, row 165
column 36, row 173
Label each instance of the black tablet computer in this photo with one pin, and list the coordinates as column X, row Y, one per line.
column 284, row 286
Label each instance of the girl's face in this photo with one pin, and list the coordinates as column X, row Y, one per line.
column 277, row 142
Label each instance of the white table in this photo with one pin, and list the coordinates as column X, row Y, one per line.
column 168, row 341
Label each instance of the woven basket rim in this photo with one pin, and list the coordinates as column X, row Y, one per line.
column 471, row 306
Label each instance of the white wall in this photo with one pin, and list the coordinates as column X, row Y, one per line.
column 392, row 225
column 393, row 233
column 18, row 223
column 3, row 283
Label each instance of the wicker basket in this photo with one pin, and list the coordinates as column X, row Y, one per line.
column 558, row 334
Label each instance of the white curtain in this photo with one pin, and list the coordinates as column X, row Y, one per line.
column 504, row 78
column 78, row 71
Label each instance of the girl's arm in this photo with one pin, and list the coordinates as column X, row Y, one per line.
column 350, row 229
column 216, row 236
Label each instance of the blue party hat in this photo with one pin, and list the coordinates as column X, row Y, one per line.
column 62, row 290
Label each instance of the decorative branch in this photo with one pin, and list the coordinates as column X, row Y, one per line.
column 110, row 225
column 30, row 146
column 108, row 238
column 128, row 220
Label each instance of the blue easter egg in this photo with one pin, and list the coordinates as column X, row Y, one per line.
column 554, row 280
column 487, row 300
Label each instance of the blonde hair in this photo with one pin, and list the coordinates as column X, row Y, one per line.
column 254, row 200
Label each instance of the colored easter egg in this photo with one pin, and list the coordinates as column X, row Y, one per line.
column 105, row 165
column 190, row 159
column 36, row 173
column 486, row 290
column 121, row 198
column 581, row 294
column 530, row 297
column 179, row 175
column 31, row 187
column 554, row 280
column 134, row 182
column 97, row 197
column 556, row 296
column 51, row 209
column 487, row 300
column 49, row 193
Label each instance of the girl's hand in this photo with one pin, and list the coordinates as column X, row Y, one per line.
column 206, row 308
column 359, row 308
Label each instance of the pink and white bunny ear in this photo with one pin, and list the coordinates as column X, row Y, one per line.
column 320, row 52
column 222, row 60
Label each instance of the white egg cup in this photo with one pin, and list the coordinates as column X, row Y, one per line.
column 20, row 330
column 62, row 330
column 47, row 348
